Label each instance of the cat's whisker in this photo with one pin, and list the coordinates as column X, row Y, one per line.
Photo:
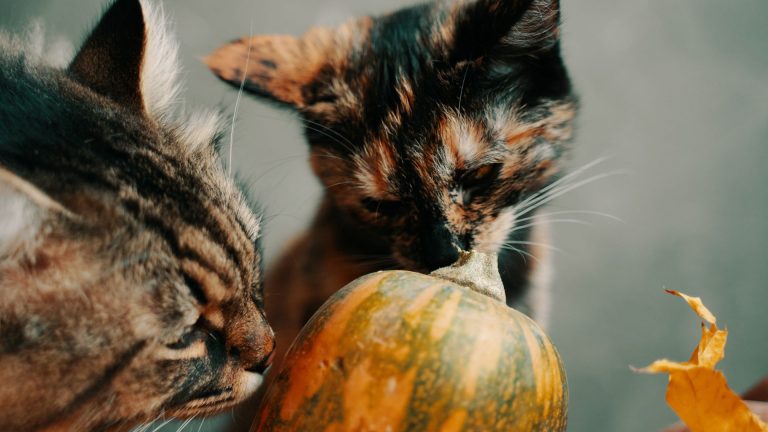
column 565, row 189
column 346, row 183
column 278, row 160
column 331, row 137
column 279, row 164
column 339, row 135
column 567, row 212
column 199, row 428
column 186, row 423
column 525, row 255
column 547, row 222
column 557, row 185
column 144, row 427
column 320, row 128
column 330, row 155
column 573, row 174
column 162, row 425
column 530, row 243
column 463, row 82
column 238, row 99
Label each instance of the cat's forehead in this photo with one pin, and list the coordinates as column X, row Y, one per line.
column 455, row 142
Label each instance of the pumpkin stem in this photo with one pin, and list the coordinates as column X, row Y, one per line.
column 477, row 271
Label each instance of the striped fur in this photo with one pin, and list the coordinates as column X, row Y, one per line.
column 130, row 269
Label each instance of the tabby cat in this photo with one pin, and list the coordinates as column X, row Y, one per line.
column 436, row 128
column 130, row 269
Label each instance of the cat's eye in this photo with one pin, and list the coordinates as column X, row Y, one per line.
column 382, row 207
column 192, row 335
column 481, row 177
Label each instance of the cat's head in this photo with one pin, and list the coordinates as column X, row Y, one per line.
column 130, row 269
column 428, row 125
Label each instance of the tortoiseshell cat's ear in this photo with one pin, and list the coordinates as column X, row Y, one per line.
column 23, row 211
column 280, row 67
column 129, row 58
column 473, row 29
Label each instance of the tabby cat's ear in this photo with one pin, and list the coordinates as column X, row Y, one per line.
column 276, row 67
column 129, row 58
column 22, row 213
column 471, row 29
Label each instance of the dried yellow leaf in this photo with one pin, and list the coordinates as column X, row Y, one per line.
column 697, row 392
column 697, row 305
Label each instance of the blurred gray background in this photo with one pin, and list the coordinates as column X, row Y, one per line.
column 673, row 92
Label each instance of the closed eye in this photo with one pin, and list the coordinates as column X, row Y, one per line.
column 478, row 181
column 481, row 177
column 193, row 335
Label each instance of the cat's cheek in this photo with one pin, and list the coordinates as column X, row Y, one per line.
column 405, row 252
column 490, row 237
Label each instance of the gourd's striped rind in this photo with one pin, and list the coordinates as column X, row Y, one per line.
column 401, row 351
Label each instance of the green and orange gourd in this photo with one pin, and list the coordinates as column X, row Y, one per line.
column 401, row 351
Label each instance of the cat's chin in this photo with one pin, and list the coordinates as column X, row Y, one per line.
column 251, row 381
column 246, row 385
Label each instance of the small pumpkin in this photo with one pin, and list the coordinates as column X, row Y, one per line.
column 402, row 351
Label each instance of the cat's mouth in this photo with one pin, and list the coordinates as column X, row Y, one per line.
column 213, row 402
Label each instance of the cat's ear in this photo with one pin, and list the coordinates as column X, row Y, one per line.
column 23, row 211
column 471, row 29
column 276, row 67
column 130, row 58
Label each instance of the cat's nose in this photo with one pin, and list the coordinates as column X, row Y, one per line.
column 252, row 342
column 265, row 362
column 439, row 248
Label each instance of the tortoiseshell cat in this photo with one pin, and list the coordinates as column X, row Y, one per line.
column 436, row 128
column 130, row 272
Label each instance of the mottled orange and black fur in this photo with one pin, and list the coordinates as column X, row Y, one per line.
column 130, row 269
column 433, row 129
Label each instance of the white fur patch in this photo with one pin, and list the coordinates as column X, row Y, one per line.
column 366, row 178
column 161, row 86
column 198, row 129
column 19, row 220
column 160, row 69
column 23, row 209
column 35, row 48
column 464, row 139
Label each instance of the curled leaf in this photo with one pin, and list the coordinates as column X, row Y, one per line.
column 699, row 393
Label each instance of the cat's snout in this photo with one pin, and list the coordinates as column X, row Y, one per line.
column 252, row 343
column 261, row 367
column 439, row 248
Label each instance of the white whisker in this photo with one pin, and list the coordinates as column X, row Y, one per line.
column 547, row 222
column 186, row 422
column 567, row 212
column 564, row 179
column 565, row 189
column 529, row 243
column 237, row 100
column 521, row 252
column 340, row 136
column 463, row 82
column 144, row 427
column 161, row 425
column 354, row 184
